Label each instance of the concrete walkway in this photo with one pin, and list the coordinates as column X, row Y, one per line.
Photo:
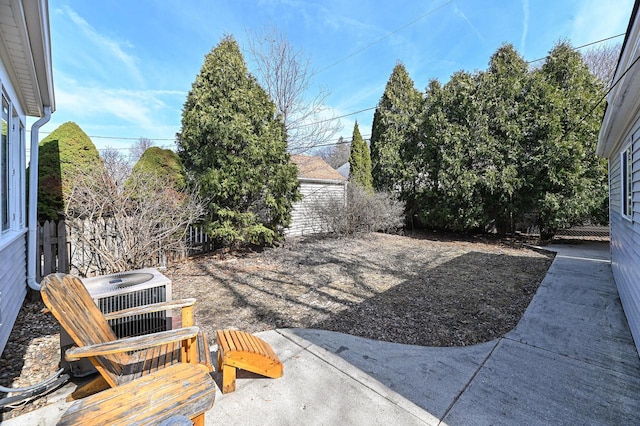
column 570, row 360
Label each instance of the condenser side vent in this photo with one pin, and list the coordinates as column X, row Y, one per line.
column 137, row 325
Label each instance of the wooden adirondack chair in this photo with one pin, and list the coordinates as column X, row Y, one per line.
column 120, row 361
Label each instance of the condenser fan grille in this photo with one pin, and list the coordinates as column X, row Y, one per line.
column 128, row 279
column 109, row 283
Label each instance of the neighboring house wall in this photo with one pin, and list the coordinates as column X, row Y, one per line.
column 26, row 87
column 619, row 141
column 319, row 183
column 304, row 220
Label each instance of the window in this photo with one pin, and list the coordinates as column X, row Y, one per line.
column 13, row 181
column 626, row 171
column 4, row 165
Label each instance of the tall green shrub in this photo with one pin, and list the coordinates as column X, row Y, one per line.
column 164, row 164
column 507, row 143
column 394, row 125
column 233, row 144
column 64, row 153
column 360, row 162
column 568, row 182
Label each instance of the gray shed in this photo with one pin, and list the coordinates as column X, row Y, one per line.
column 319, row 182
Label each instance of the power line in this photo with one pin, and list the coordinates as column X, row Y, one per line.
column 584, row 45
column 364, row 109
column 373, row 43
column 338, row 117
column 126, row 138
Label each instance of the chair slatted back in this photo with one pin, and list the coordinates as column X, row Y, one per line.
column 69, row 301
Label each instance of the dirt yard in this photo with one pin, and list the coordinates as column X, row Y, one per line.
column 424, row 290
column 421, row 290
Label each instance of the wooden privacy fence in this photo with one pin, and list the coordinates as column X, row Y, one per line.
column 62, row 251
column 53, row 249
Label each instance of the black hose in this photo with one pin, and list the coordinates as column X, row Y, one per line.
column 33, row 392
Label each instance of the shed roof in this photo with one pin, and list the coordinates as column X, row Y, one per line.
column 314, row 167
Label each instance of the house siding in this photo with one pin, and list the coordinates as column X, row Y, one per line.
column 304, row 220
column 13, row 287
column 625, row 239
column 13, row 242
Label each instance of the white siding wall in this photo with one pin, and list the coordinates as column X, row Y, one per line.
column 303, row 219
column 625, row 241
column 13, row 288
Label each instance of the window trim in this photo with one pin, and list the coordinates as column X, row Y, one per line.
column 5, row 166
column 626, row 182
column 13, row 222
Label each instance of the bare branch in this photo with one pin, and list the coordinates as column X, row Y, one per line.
column 140, row 146
column 127, row 225
column 285, row 74
column 602, row 61
column 117, row 164
column 336, row 155
column 363, row 212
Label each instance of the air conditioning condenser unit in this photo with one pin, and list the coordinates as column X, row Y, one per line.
column 115, row 292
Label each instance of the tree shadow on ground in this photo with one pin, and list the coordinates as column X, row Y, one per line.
column 470, row 299
column 450, row 300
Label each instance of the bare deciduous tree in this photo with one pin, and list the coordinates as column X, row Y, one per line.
column 602, row 61
column 139, row 147
column 127, row 226
column 338, row 154
column 285, row 74
column 117, row 165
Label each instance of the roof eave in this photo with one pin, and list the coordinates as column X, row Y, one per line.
column 37, row 17
column 28, row 56
column 623, row 101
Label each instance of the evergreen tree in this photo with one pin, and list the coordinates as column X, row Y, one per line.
column 503, row 91
column 360, row 162
column 394, row 125
column 63, row 154
column 507, row 142
column 450, row 192
column 568, row 182
column 234, row 145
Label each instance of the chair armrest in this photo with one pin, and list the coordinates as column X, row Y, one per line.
column 132, row 343
column 155, row 307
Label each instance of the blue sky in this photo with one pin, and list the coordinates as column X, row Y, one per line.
column 122, row 69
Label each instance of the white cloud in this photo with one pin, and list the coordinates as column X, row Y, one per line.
column 135, row 107
column 119, row 112
column 104, row 47
column 525, row 27
column 461, row 14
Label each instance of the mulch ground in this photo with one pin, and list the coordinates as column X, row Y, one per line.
column 425, row 289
